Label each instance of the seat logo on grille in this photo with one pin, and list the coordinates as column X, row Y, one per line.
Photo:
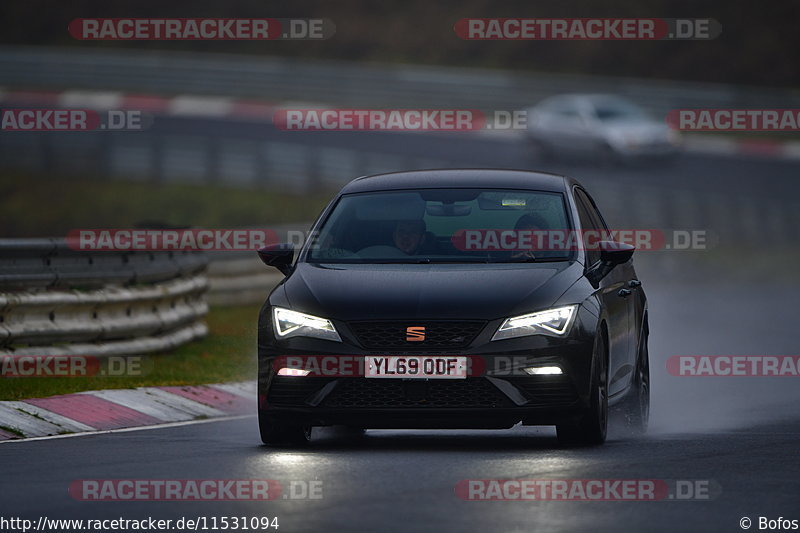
column 415, row 333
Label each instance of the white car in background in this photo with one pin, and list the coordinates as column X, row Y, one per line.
column 600, row 126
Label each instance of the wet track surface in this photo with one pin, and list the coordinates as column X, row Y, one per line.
column 739, row 434
column 404, row 481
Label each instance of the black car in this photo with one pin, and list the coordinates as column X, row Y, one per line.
column 422, row 301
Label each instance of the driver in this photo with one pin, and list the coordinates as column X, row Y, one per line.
column 528, row 222
column 408, row 235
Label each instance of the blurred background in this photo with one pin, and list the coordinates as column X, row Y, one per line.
column 210, row 105
column 211, row 156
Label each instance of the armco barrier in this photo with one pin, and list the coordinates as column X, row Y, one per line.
column 54, row 300
column 347, row 83
column 239, row 280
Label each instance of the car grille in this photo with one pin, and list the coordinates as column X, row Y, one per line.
column 546, row 391
column 388, row 393
column 438, row 335
column 294, row 390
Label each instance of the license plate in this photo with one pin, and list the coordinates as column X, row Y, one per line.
column 411, row 366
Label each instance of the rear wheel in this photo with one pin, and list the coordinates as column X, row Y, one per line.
column 281, row 434
column 591, row 429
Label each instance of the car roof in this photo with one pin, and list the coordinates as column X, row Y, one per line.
column 462, row 178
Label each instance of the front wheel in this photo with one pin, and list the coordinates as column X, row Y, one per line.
column 636, row 406
column 281, row 434
column 592, row 428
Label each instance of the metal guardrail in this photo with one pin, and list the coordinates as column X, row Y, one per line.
column 54, row 300
column 347, row 83
column 241, row 280
column 51, row 263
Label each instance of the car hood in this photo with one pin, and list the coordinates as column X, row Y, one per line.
column 451, row 291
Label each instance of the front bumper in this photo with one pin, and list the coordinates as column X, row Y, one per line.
column 498, row 394
column 474, row 402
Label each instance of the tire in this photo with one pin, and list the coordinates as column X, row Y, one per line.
column 592, row 428
column 279, row 434
column 636, row 406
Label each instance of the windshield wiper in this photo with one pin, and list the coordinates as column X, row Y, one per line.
column 428, row 260
column 527, row 258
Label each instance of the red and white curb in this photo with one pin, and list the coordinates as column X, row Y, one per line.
column 261, row 111
column 114, row 409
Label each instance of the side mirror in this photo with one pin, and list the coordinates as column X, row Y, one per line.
column 279, row 256
column 615, row 253
column 611, row 254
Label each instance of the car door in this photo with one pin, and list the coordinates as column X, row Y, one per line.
column 615, row 300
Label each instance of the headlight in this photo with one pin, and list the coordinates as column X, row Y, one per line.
column 288, row 323
column 550, row 322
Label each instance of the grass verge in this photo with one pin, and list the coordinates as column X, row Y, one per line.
column 36, row 206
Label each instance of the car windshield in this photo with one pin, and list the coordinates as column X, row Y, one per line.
column 618, row 110
column 442, row 226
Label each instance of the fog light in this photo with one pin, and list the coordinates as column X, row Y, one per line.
column 293, row 372
column 543, row 370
